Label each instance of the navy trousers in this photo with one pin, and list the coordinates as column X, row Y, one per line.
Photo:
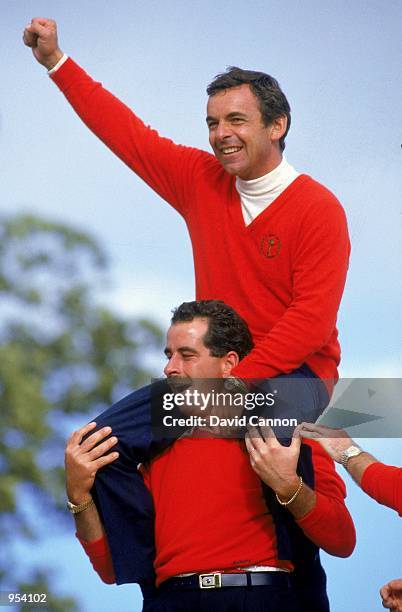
column 230, row 599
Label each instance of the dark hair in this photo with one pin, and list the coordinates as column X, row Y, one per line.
column 227, row 331
column 273, row 102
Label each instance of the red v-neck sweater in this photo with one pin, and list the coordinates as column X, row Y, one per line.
column 284, row 273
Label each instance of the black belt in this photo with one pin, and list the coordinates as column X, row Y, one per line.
column 217, row 580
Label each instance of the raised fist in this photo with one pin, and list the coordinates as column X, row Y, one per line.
column 41, row 36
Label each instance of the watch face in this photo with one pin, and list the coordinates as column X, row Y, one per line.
column 353, row 451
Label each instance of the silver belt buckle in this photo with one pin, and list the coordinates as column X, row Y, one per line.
column 210, row 581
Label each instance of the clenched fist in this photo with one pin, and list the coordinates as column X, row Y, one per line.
column 41, row 36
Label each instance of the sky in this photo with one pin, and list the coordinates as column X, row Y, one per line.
column 339, row 65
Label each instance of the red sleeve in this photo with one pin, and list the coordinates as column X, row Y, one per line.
column 99, row 555
column 320, row 264
column 384, row 484
column 329, row 524
column 166, row 167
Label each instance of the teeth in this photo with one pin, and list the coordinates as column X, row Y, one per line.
column 228, row 150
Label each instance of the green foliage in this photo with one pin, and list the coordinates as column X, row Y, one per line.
column 62, row 356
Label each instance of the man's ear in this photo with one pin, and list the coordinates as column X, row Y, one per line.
column 229, row 361
column 278, row 127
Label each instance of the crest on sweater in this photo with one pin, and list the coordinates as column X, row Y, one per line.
column 270, row 246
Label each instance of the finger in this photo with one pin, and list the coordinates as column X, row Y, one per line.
column 249, row 443
column 253, row 432
column 37, row 29
column 308, row 426
column 105, row 460
column 296, row 440
column 77, row 435
column 267, row 432
column 42, row 22
column 311, row 435
column 298, row 429
column 252, row 451
column 29, row 38
column 101, row 449
column 257, row 441
column 93, row 440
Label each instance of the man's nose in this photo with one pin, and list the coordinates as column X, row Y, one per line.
column 223, row 130
column 172, row 367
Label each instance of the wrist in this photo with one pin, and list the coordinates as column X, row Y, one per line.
column 50, row 61
column 287, row 489
column 291, row 498
column 77, row 498
column 356, row 466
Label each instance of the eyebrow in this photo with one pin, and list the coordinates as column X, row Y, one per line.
column 183, row 349
column 209, row 118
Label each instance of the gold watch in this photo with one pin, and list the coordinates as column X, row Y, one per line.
column 352, row 451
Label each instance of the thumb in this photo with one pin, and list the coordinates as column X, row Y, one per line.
column 42, row 27
column 296, row 439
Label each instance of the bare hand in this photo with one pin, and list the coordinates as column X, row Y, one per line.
column 41, row 36
column 275, row 464
column 391, row 595
column 82, row 461
column 333, row 441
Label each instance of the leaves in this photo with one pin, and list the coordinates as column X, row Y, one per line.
column 62, row 356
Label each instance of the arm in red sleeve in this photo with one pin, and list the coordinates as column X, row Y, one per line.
column 99, row 555
column 384, row 484
column 319, row 268
column 98, row 551
column 329, row 524
column 165, row 166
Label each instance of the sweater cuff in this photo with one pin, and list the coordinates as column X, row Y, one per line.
column 380, row 482
column 96, row 548
column 61, row 61
column 341, row 540
column 66, row 74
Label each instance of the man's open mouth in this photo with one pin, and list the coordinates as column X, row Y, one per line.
column 230, row 150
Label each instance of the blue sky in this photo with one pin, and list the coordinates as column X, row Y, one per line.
column 339, row 64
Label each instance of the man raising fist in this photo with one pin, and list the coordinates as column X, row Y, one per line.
column 41, row 36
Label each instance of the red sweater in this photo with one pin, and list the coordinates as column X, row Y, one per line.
column 206, row 515
column 284, row 273
column 384, row 484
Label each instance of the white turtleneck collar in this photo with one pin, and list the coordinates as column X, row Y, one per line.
column 257, row 194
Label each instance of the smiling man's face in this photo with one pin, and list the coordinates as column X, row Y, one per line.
column 241, row 142
column 187, row 355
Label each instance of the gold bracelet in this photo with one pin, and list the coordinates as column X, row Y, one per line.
column 286, row 503
column 76, row 509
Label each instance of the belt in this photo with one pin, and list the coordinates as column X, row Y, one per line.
column 217, row 580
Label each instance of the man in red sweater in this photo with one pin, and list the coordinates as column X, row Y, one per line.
column 216, row 542
column 382, row 482
column 269, row 241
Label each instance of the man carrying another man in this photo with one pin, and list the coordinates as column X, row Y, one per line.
column 213, row 518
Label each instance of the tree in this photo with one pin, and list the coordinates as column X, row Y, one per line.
column 61, row 355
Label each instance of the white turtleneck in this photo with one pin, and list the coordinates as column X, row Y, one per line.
column 257, row 194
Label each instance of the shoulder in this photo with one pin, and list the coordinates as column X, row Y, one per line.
column 314, row 196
